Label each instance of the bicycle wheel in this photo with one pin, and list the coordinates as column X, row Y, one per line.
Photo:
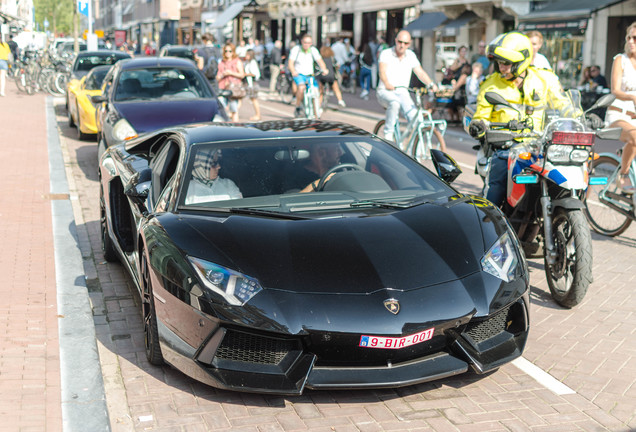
column 60, row 82
column 284, row 89
column 20, row 80
column 602, row 218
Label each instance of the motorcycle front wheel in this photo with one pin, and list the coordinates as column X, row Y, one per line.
column 571, row 274
column 603, row 219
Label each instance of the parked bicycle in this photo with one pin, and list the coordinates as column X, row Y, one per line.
column 416, row 139
column 608, row 210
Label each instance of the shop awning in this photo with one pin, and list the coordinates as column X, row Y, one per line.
column 229, row 14
column 559, row 10
column 427, row 22
column 465, row 18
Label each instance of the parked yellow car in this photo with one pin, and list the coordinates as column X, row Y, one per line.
column 81, row 111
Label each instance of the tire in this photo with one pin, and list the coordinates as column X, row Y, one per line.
column 602, row 218
column 108, row 248
column 149, row 315
column 20, row 81
column 61, row 81
column 379, row 129
column 71, row 121
column 571, row 275
column 80, row 135
column 284, row 89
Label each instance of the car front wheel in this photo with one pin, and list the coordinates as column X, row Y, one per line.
column 151, row 333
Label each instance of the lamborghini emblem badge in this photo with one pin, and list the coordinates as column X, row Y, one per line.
column 392, row 305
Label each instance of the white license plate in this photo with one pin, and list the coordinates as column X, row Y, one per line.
column 395, row 342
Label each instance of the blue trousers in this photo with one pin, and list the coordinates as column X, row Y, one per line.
column 497, row 186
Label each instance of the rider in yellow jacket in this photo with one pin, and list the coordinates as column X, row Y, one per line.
column 528, row 89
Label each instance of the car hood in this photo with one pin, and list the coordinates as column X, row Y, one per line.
column 407, row 249
column 146, row 116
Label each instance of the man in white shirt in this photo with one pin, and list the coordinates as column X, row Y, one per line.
column 301, row 66
column 396, row 65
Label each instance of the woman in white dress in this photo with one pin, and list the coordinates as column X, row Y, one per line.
column 622, row 112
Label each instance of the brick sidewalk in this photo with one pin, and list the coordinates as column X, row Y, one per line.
column 30, row 394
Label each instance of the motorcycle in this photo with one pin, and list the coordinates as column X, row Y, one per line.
column 548, row 174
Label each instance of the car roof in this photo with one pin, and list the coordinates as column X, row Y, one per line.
column 148, row 62
column 268, row 130
column 104, row 53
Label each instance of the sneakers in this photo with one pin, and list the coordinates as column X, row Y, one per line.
column 342, row 103
column 299, row 112
column 389, row 137
column 624, row 184
column 364, row 94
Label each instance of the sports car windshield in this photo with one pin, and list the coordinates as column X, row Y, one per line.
column 160, row 83
column 305, row 175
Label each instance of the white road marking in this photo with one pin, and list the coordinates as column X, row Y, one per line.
column 542, row 377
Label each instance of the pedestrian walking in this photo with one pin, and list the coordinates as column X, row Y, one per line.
column 5, row 51
column 252, row 76
column 276, row 59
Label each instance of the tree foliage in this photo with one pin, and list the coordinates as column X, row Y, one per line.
column 59, row 14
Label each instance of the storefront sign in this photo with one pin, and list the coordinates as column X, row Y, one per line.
column 577, row 26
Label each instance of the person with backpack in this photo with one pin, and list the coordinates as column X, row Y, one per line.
column 209, row 54
column 301, row 63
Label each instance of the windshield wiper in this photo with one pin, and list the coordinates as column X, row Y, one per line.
column 396, row 205
column 260, row 212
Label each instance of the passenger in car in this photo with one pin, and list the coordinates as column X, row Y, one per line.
column 206, row 185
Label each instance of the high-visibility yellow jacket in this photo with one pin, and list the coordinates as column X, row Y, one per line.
column 541, row 89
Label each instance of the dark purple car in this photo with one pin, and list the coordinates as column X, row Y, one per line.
column 145, row 94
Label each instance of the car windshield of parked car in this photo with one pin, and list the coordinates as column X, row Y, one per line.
column 86, row 63
column 95, row 79
column 179, row 52
column 304, row 175
column 161, row 83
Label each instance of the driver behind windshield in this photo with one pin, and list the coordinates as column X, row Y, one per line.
column 206, row 185
column 322, row 157
column 526, row 88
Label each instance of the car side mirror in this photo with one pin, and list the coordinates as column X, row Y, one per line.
column 446, row 167
column 138, row 187
column 97, row 99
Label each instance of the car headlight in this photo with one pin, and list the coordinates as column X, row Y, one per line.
column 501, row 260
column 123, row 130
column 235, row 287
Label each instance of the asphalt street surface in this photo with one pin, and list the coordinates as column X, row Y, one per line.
column 578, row 371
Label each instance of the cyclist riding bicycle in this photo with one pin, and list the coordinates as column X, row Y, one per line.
column 396, row 65
column 301, row 65
column 523, row 86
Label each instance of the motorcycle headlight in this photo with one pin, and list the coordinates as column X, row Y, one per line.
column 579, row 155
column 559, row 153
column 501, row 260
column 235, row 287
column 123, row 130
column 567, row 154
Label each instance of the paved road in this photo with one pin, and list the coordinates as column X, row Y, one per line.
column 578, row 371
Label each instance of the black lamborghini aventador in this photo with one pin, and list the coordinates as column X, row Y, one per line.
column 278, row 256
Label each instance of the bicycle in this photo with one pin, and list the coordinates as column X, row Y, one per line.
column 311, row 99
column 284, row 85
column 609, row 211
column 419, row 130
